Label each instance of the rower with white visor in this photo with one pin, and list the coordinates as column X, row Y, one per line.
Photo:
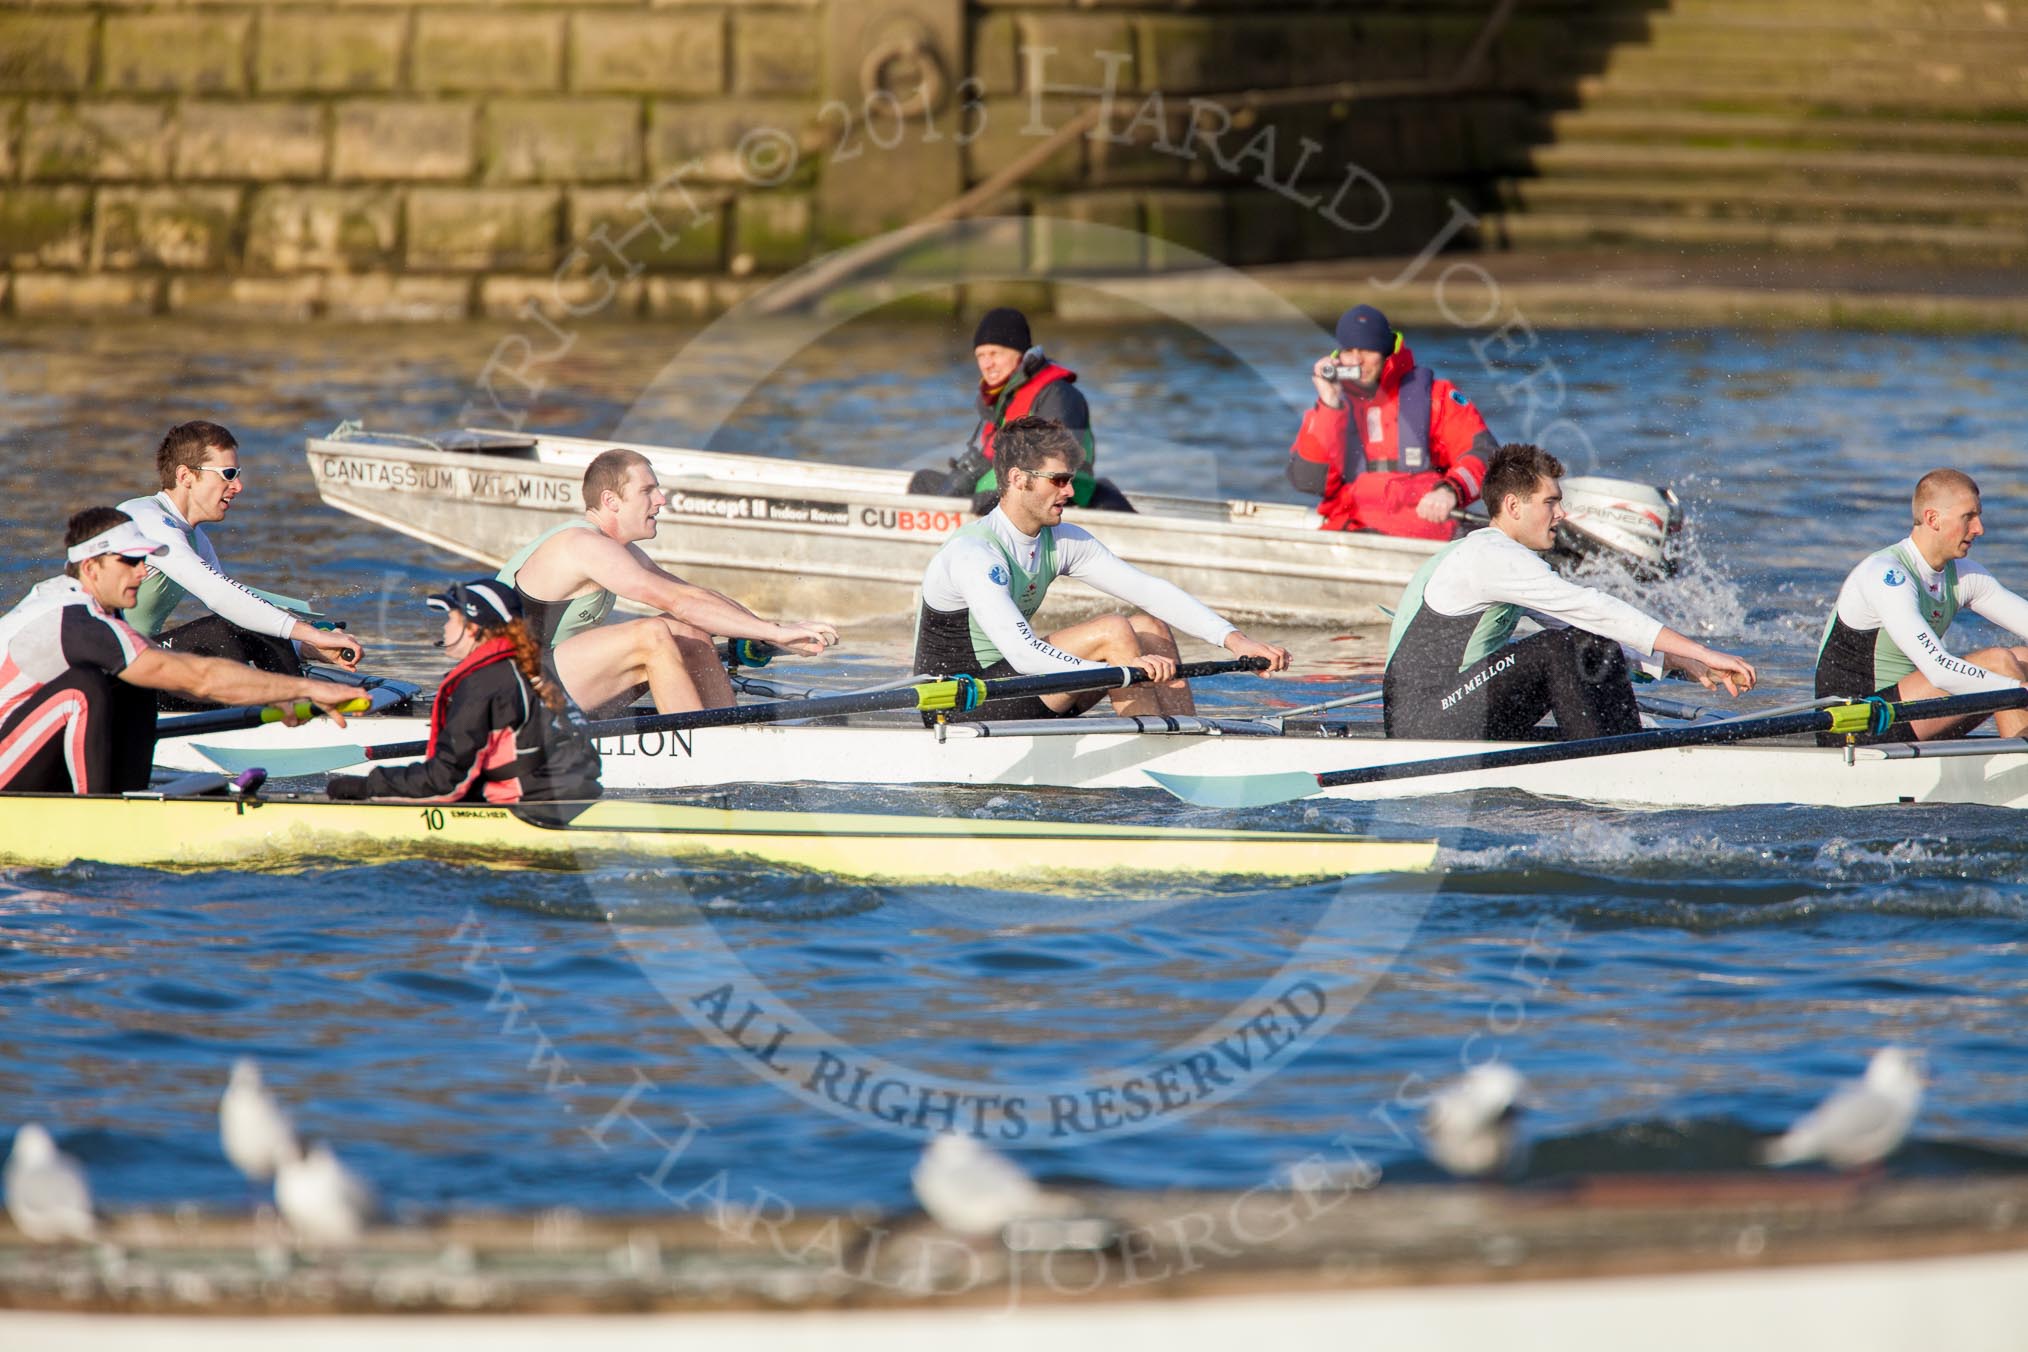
column 1453, row 674
column 984, row 586
column 78, row 683
column 1885, row 635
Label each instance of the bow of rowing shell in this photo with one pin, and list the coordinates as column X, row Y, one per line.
column 847, row 544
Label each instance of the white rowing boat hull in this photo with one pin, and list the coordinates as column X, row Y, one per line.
column 847, row 544
column 1714, row 776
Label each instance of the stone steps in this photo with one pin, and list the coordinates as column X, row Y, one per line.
column 1812, row 32
column 1702, row 200
column 1813, row 79
column 2000, row 15
column 2006, row 245
column 1885, row 170
column 1721, row 93
column 1646, row 128
column 1887, row 127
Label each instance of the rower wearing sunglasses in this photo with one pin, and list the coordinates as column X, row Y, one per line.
column 78, row 683
column 198, row 466
column 985, row 585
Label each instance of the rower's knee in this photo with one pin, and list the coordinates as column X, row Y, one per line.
column 1153, row 630
column 652, row 641
column 684, row 629
column 1598, row 657
column 1118, row 636
column 2002, row 661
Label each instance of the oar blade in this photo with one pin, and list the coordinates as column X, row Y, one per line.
column 292, row 762
column 1238, row 790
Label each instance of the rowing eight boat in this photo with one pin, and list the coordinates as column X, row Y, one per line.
column 284, row 831
column 1116, row 753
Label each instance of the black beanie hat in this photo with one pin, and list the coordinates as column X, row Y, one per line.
column 1003, row 327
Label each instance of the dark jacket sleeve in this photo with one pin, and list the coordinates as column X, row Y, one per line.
column 1061, row 401
column 469, row 723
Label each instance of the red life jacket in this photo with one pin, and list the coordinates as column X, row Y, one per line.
column 1370, row 442
column 1023, row 399
column 485, row 655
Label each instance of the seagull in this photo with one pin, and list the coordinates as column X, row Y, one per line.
column 326, row 1204
column 1468, row 1127
column 972, row 1190
column 46, row 1190
column 1863, row 1121
column 252, row 1127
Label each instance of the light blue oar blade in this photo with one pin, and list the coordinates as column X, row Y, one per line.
column 281, row 762
column 1238, row 790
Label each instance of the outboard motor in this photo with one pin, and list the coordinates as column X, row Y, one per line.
column 1633, row 523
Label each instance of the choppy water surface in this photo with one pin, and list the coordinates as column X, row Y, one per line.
column 1673, row 983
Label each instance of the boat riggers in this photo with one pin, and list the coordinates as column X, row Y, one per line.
column 955, row 694
column 1872, row 715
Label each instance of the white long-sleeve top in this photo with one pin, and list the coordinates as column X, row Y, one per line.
column 1490, row 568
column 1888, row 592
column 962, row 577
column 192, row 566
column 1494, row 579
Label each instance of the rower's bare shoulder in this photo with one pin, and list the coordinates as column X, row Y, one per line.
column 578, row 546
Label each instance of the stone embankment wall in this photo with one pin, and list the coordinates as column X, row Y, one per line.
column 369, row 159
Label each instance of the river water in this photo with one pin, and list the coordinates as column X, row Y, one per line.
column 1674, row 984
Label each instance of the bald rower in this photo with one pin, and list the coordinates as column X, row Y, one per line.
column 1885, row 637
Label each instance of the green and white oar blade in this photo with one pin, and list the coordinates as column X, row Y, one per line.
column 282, row 762
column 1238, row 790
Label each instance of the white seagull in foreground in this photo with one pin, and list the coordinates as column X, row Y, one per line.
column 252, row 1127
column 972, row 1190
column 324, row 1203
column 1468, row 1127
column 46, row 1190
column 1863, row 1121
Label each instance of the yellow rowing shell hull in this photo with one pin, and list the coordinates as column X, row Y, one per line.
column 207, row 832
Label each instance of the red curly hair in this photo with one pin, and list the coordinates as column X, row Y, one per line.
column 527, row 657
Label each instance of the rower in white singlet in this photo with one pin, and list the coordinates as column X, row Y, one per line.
column 569, row 578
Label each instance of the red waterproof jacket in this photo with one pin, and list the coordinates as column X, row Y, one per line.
column 1372, row 460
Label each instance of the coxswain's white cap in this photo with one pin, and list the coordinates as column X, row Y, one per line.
column 124, row 538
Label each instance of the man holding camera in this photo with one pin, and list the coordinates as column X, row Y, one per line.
column 1389, row 447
